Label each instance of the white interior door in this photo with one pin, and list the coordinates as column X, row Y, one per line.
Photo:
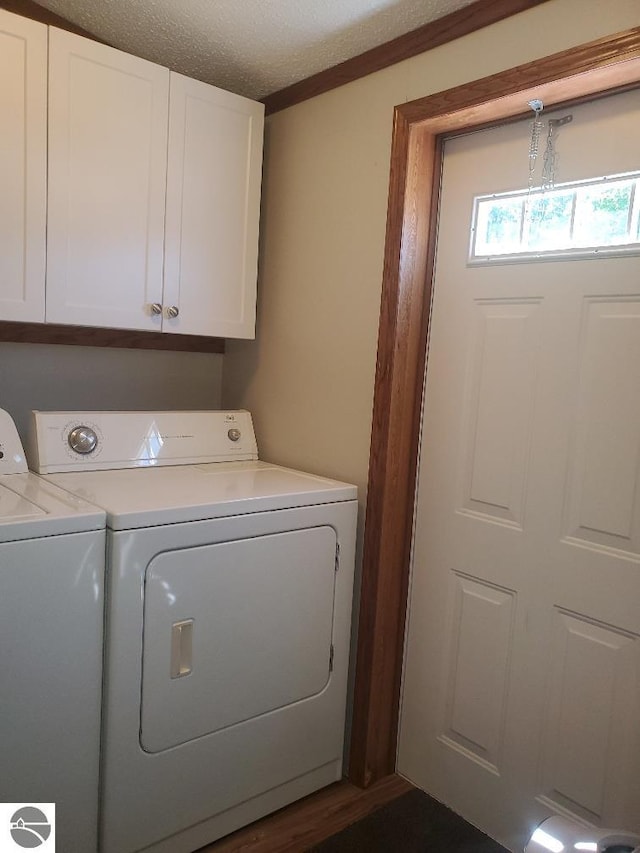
column 522, row 672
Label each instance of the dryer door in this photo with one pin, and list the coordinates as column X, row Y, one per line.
column 235, row 630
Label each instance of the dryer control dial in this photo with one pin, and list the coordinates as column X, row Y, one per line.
column 82, row 439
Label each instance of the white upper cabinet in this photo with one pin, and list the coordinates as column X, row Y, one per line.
column 213, row 201
column 108, row 115
column 127, row 142
column 23, row 167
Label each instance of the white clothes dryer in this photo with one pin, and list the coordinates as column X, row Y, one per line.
column 229, row 610
column 51, row 630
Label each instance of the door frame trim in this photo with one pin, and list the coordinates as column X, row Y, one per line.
column 608, row 65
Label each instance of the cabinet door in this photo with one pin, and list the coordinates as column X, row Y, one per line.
column 108, row 114
column 213, row 201
column 23, row 167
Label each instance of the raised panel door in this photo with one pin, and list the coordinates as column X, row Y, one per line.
column 522, row 671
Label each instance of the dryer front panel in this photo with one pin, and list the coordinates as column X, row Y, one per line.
column 261, row 600
column 234, row 630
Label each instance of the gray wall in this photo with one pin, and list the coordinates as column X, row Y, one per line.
column 43, row 376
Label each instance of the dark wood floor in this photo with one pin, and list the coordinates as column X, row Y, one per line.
column 312, row 820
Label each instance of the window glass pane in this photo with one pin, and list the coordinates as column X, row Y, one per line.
column 549, row 221
column 498, row 226
column 602, row 214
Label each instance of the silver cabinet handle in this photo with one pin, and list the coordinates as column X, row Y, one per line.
column 156, row 308
column 181, row 648
column 173, row 311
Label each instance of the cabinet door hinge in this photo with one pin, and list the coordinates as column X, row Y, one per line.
column 331, row 658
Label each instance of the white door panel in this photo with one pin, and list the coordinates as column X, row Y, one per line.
column 213, row 205
column 521, row 682
column 108, row 114
column 23, row 167
column 593, row 669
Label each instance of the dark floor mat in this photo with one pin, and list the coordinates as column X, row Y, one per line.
column 413, row 823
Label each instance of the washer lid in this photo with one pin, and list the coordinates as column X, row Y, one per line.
column 30, row 508
column 146, row 497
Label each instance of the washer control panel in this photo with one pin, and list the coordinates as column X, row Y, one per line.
column 90, row 441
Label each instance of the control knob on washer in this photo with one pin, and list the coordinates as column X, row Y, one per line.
column 82, row 439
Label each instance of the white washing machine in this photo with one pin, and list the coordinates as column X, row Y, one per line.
column 229, row 608
column 51, row 630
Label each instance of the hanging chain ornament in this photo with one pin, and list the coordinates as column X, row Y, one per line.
column 536, row 128
column 549, row 162
column 550, row 156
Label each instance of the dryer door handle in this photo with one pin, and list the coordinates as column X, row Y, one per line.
column 181, row 648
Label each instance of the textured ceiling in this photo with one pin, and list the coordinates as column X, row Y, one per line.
column 252, row 47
